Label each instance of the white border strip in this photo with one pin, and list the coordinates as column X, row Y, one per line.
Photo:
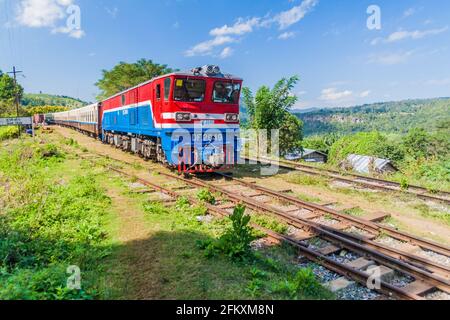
column 195, row 116
column 197, row 126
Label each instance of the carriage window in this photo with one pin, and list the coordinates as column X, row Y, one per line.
column 189, row 90
column 158, row 91
column 226, row 92
column 166, row 89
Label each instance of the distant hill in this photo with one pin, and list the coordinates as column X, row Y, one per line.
column 307, row 110
column 33, row 100
column 391, row 117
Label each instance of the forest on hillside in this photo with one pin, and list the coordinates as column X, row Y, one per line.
column 388, row 117
column 35, row 100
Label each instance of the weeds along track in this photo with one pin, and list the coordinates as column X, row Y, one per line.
column 423, row 275
column 359, row 180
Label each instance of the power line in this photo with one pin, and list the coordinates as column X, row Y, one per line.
column 16, row 91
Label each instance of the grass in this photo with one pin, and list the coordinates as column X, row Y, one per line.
column 60, row 211
column 356, row 212
column 308, row 198
column 427, row 212
column 184, row 272
column 270, row 223
column 54, row 218
column 306, row 180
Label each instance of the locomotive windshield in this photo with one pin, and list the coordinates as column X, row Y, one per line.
column 226, row 92
column 189, row 90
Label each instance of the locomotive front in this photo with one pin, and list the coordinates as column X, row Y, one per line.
column 202, row 120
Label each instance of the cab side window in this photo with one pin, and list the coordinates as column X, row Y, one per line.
column 167, row 89
column 158, row 92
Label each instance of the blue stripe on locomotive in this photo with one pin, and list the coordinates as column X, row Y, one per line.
column 139, row 121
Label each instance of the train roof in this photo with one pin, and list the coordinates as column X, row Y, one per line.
column 189, row 73
column 92, row 105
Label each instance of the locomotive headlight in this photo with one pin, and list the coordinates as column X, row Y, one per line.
column 231, row 117
column 183, row 117
column 209, row 69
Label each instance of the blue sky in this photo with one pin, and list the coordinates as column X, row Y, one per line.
column 340, row 61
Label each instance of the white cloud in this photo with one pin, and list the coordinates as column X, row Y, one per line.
column 239, row 28
column 287, row 18
column 231, row 33
column 46, row 14
column 112, row 12
column 226, row 52
column 286, row 35
column 390, row 58
column 73, row 33
column 409, row 12
column 332, row 94
column 413, row 35
column 41, row 13
column 206, row 47
column 365, row 94
column 400, row 35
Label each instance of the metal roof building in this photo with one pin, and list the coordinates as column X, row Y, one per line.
column 368, row 164
column 308, row 155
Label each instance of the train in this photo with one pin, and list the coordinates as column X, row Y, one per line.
column 188, row 120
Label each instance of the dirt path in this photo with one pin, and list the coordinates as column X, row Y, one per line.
column 137, row 252
column 137, row 257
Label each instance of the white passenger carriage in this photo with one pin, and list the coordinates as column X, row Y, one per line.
column 84, row 119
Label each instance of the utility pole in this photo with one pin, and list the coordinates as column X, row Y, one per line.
column 15, row 72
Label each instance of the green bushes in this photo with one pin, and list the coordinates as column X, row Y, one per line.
column 303, row 285
column 8, row 133
column 364, row 143
column 235, row 242
column 49, row 151
column 206, row 196
column 322, row 143
column 421, row 157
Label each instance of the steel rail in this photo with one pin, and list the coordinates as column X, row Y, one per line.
column 435, row 280
column 321, row 259
column 369, row 181
column 416, row 261
column 340, row 268
column 365, row 224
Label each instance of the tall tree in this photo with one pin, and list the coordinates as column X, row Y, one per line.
column 127, row 75
column 270, row 109
column 291, row 134
column 8, row 91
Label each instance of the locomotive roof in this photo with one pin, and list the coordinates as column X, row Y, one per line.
column 181, row 74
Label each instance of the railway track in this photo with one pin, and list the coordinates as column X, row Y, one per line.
column 425, row 275
column 360, row 180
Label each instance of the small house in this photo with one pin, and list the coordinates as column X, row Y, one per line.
column 308, row 155
column 368, row 164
